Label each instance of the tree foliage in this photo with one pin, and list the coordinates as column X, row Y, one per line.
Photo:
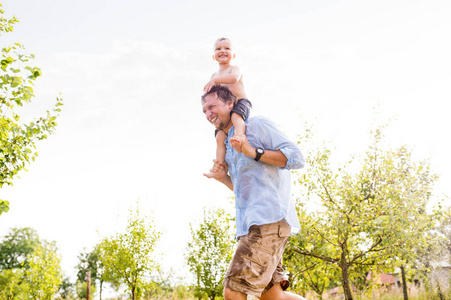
column 16, row 246
column 66, row 289
column 366, row 218
column 29, row 267
column 90, row 261
column 12, row 285
column 209, row 252
column 159, row 285
column 126, row 257
column 18, row 139
column 444, row 232
column 432, row 261
column 310, row 274
column 81, row 289
column 44, row 275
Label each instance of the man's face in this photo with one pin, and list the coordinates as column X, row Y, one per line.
column 217, row 112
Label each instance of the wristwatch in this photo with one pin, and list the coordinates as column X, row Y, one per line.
column 258, row 153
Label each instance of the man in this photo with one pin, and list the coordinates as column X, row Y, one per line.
column 259, row 174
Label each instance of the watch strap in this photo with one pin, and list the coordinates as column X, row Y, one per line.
column 258, row 153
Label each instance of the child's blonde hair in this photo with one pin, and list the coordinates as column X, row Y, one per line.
column 223, row 39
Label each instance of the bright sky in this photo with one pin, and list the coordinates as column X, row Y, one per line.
column 131, row 74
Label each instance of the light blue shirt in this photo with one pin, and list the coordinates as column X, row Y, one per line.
column 262, row 191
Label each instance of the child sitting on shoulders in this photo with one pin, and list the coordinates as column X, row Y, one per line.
column 229, row 75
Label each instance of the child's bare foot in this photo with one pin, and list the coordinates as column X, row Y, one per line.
column 215, row 171
column 236, row 143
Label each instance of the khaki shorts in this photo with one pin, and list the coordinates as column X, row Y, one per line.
column 257, row 263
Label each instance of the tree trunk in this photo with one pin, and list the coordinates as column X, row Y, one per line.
column 404, row 283
column 346, row 286
column 440, row 294
column 88, row 286
column 133, row 293
column 101, row 286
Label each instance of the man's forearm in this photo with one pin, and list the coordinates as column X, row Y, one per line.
column 275, row 158
column 272, row 157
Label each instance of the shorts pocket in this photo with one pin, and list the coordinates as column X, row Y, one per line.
column 256, row 268
column 259, row 275
column 284, row 230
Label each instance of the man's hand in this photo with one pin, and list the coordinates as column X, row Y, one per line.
column 209, row 85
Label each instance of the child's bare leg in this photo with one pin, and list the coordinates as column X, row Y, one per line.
column 240, row 127
column 220, row 151
column 220, row 146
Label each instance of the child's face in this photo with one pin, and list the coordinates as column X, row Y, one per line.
column 223, row 52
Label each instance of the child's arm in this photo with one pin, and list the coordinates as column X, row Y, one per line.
column 232, row 77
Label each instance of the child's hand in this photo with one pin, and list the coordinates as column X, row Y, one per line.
column 209, row 85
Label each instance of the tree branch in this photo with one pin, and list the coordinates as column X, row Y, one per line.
column 300, row 251
column 324, row 238
column 371, row 249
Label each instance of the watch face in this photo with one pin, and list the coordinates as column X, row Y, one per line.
column 259, row 152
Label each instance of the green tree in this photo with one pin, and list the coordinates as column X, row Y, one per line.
column 81, row 288
column 310, row 274
column 431, row 258
column 444, row 231
column 44, row 275
column 159, row 285
column 90, row 261
column 126, row 257
column 209, row 252
column 182, row 292
column 66, row 289
column 16, row 246
column 418, row 241
column 18, row 139
column 12, row 285
column 366, row 216
column 164, row 285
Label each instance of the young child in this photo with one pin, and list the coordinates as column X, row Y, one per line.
column 231, row 76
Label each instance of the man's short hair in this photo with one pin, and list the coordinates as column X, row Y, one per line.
column 223, row 92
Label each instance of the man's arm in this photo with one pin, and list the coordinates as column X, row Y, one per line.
column 220, row 173
column 272, row 157
column 279, row 150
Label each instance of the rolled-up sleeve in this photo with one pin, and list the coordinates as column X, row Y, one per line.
column 295, row 159
column 274, row 139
